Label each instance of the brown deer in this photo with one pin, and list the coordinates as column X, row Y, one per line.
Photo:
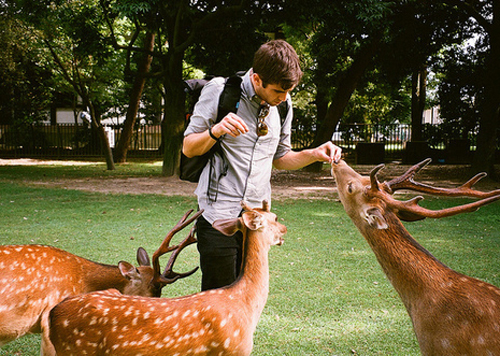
column 452, row 314
column 34, row 278
column 215, row 322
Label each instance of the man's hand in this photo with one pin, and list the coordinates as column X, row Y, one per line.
column 328, row 152
column 231, row 124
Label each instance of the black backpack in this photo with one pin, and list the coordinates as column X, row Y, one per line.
column 191, row 168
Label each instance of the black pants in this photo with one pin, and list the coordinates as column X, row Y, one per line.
column 220, row 255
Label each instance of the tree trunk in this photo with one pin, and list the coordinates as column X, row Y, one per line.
column 103, row 138
column 418, row 97
column 484, row 157
column 174, row 119
column 135, row 100
column 346, row 87
column 173, row 133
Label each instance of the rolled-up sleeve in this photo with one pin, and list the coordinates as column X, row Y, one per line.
column 205, row 110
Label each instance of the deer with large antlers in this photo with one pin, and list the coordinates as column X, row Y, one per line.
column 215, row 322
column 34, row 278
column 452, row 314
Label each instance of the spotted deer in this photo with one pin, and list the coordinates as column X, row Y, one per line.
column 215, row 322
column 34, row 278
column 452, row 314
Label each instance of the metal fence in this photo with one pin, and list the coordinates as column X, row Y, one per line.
column 70, row 140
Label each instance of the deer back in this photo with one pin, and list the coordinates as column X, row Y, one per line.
column 34, row 278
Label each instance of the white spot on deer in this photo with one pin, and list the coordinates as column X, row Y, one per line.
column 223, row 323
column 236, row 333
column 445, row 343
column 186, row 314
column 159, row 346
column 227, row 343
column 201, row 350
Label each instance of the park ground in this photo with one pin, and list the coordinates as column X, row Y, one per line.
column 286, row 184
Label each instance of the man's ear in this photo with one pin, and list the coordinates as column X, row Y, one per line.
column 257, row 80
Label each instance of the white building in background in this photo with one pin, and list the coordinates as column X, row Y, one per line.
column 431, row 116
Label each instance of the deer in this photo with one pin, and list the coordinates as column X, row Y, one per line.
column 451, row 313
column 34, row 278
column 214, row 322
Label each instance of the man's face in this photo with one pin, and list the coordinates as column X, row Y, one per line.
column 273, row 94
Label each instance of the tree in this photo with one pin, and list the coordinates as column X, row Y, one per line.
column 77, row 53
column 486, row 16
column 26, row 86
column 182, row 27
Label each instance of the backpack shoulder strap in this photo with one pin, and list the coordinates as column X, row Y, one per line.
column 229, row 99
column 283, row 111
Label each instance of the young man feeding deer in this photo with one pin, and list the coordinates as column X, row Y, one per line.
column 252, row 140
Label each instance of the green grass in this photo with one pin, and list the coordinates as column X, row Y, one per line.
column 328, row 295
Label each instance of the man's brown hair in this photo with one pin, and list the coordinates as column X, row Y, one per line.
column 276, row 62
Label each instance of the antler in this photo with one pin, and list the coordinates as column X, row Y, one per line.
column 169, row 276
column 465, row 190
column 411, row 211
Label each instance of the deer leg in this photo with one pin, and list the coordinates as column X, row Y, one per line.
column 47, row 349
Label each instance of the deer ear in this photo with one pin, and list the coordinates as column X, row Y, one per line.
column 127, row 270
column 142, row 257
column 228, row 226
column 376, row 219
column 252, row 220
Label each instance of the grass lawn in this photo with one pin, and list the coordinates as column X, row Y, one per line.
column 328, row 294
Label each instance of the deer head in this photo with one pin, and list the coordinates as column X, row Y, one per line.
column 254, row 220
column 366, row 199
column 168, row 276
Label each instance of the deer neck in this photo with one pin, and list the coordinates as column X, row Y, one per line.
column 403, row 260
column 102, row 276
column 252, row 286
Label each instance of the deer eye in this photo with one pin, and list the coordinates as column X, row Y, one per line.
column 349, row 187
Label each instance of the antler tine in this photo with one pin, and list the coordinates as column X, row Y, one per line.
column 465, row 190
column 164, row 247
column 169, row 276
column 410, row 210
column 406, row 180
column 373, row 177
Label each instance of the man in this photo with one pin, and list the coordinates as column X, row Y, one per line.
column 252, row 141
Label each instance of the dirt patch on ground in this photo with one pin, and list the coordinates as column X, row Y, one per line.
column 286, row 184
